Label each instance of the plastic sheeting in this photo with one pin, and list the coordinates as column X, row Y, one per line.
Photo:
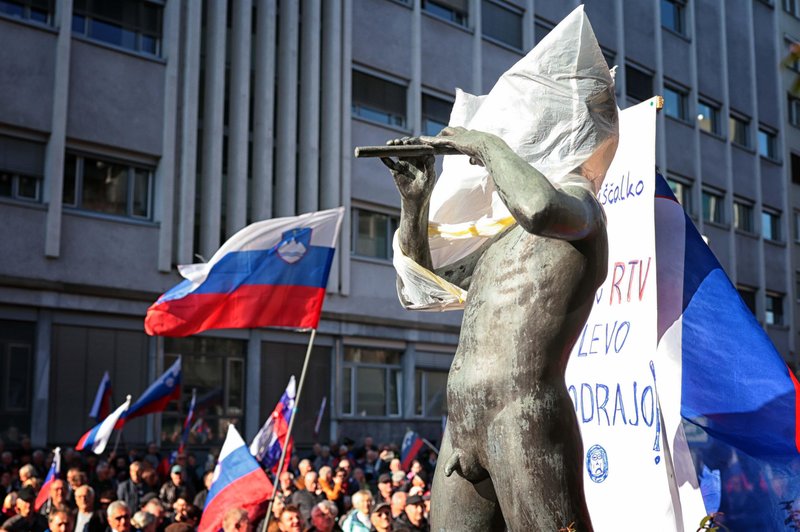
column 556, row 109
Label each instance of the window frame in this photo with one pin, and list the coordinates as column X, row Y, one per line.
column 392, row 225
column 793, row 110
column 514, row 11
column 771, row 139
column 791, row 7
column 773, row 216
column 679, row 16
column 632, row 67
column 733, row 135
column 683, row 193
column 770, row 315
column 752, row 293
column 421, row 392
column 749, row 208
column 352, row 368
column 683, row 102
column 425, row 118
column 360, row 111
column 448, row 13
column 714, row 119
column 86, row 18
column 718, row 207
column 16, row 177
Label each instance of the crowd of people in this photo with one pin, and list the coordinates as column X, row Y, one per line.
column 350, row 488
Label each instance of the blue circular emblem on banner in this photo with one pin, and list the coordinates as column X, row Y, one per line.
column 597, row 463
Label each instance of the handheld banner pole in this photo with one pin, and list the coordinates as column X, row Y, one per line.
column 276, row 482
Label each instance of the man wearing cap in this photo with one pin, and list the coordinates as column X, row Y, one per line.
column 385, row 488
column 175, row 487
column 26, row 520
column 381, row 517
column 413, row 516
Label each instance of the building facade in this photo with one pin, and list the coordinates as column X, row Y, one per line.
column 137, row 135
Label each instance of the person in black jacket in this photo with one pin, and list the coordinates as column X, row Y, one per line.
column 87, row 518
column 134, row 489
column 26, row 520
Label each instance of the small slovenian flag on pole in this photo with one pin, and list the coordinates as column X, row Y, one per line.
column 266, row 446
column 97, row 438
column 155, row 398
column 102, row 400
column 412, row 443
column 187, row 424
column 270, row 274
column 52, row 474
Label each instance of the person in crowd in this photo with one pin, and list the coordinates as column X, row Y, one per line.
column 179, row 527
column 291, row 520
column 200, row 498
column 235, row 520
column 381, row 517
column 154, row 506
column 133, row 490
column 175, row 487
column 277, row 508
column 26, row 520
column 6, row 483
column 143, row 522
column 357, row 520
column 191, row 516
column 412, row 517
column 103, row 478
column 9, row 508
column 323, row 518
column 385, row 488
column 87, row 519
column 152, row 456
column 286, row 480
column 38, row 462
column 26, row 473
column 303, row 467
column 331, row 486
column 399, row 481
column 119, row 517
column 59, row 521
column 399, row 499
column 324, row 458
column 305, row 499
column 57, row 499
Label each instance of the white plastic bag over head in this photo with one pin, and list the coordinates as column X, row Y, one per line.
column 556, row 109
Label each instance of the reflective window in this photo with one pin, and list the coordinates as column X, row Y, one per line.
column 16, row 379
column 33, row 10
column 672, row 15
column 712, row 207
column 373, row 233
column 22, row 187
column 739, row 131
column 378, row 99
column 743, row 216
column 771, row 225
column 372, row 382
column 767, row 144
column 683, row 193
column 430, row 393
column 793, row 108
column 454, row 11
column 501, row 23
column 435, row 114
column 708, row 117
column 638, row 84
column 748, row 295
column 773, row 312
column 131, row 24
column 675, row 103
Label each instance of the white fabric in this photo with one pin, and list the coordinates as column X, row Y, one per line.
column 556, row 109
column 107, row 427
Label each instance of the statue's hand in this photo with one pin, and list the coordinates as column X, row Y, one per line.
column 469, row 142
column 413, row 176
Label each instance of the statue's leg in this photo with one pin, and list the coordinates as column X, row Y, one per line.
column 536, row 470
column 459, row 505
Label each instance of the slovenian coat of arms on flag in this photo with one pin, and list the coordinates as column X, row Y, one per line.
column 272, row 273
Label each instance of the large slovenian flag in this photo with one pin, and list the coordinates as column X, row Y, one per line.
column 52, row 474
column 102, row 399
column 270, row 274
column 155, row 398
column 412, row 444
column 97, row 438
column 267, row 445
column 238, row 482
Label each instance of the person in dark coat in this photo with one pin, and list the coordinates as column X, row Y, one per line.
column 134, row 489
column 307, row 498
column 26, row 520
column 87, row 518
column 412, row 517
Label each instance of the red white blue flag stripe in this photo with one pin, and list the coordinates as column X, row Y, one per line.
column 187, row 424
column 97, row 438
column 53, row 473
column 238, row 482
column 102, row 399
column 412, row 444
column 156, row 397
column 267, row 445
column 270, row 274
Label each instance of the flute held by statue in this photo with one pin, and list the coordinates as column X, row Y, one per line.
column 403, row 150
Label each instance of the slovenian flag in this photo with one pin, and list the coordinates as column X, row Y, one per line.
column 412, row 444
column 267, row 445
column 238, row 482
column 102, row 399
column 97, row 438
column 270, row 274
column 52, row 474
column 155, row 398
column 187, row 424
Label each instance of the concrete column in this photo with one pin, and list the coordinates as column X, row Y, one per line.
column 239, row 122
column 263, row 111
column 165, row 173
column 346, row 153
column 252, row 385
column 661, row 141
column 41, row 378
column 619, row 79
column 333, row 391
column 528, row 26
column 54, row 152
column 308, row 161
column 155, row 360
column 331, row 119
column 414, row 98
column 723, row 57
column 187, row 165
column 286, row 134
column 214, row 94
column 477, row 46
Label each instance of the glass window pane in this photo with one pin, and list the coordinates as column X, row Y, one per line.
column 707, row 117
column 19, row 368
column 436, row 393
column 372, row 239
column 6, row 184
column 501, row 24
column 28, row 187
column 370, row 392
column 674, row 105
column 105, row 187
column 395, row 387
column 235, row 387
column 14, row 9
column 638, row 84
column 79, row 24
column 70, row 162
column 141, row 192
column 418, row 392
column 347, row 386
column 105, row 31
column 372, row 356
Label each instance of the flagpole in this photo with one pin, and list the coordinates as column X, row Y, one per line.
column 119, row 432
column 276, row 482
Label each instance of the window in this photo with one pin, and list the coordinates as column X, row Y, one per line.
column 34, row 10
column 793, row 108
column 791, row 7
column 683, row 193
column 541, row 29
column 792, row 49
column 675, row 103
column 373, row 234
column 766, row 144
column 430, row 392
column 672, row 15
column 708, row 117
column 109, row 187
column 638, row 84
column 712, row 207
column 748, row 295
column 378, row 99
column 130, row 24
column 774, row 309
column 16, row 376
column 771, row 225
column 435, row 114
column 371, row 382
column 22, row 187
column 215, row 368
column 21, row 168
column 797, row 285
column 501, row 23
column 743, row 216
column 797, row 228
column 454, row 11
column 739, row 131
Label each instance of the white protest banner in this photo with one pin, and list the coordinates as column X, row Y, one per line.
column 612, row 375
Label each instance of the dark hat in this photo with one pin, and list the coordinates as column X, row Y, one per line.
column 380, row 506
column 26, row 494
column 386, row 477
column 414, row 499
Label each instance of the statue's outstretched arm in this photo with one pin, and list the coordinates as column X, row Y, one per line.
column 570, row 213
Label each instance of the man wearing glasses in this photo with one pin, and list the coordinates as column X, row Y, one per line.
column 119, row 517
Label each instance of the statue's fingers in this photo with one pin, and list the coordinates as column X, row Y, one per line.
column 390, row 164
